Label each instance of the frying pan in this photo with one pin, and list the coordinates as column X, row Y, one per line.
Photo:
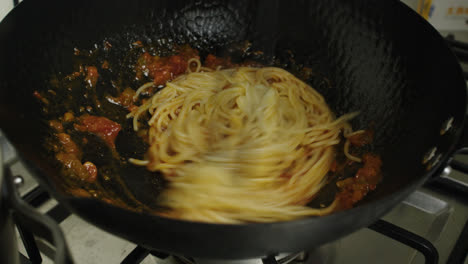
column 381, row 58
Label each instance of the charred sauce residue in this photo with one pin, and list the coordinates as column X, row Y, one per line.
column 91, row 139
column 353, row 189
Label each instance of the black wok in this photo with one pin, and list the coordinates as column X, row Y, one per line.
column 381, row 58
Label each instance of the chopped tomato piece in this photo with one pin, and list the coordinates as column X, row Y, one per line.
column 146, row 58
column 40, row 97
column 163, row 69
column 107, row 45
column 351, row 192
column 161, row 75
column 178, row 64
column 354, row 189
column 362, row 139
column 125, row 99
column 211, row 61
column 371, row 169
column 79, row 192
column 92, row 171
column 68, row 117
column 102, row 127
column 138, row 44
column 37, row 95
column 105, row 65
column 91, row 75
column 69, row 155
column 71, row 162
column 187, row 52
column 68, row 145
column 55, row 124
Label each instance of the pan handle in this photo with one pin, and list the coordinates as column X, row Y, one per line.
column 41, row 225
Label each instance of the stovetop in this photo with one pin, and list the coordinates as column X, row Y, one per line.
column 434, row 215
column 430, row 212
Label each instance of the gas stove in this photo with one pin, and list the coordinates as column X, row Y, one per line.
column 431, row 223
column 430, row 226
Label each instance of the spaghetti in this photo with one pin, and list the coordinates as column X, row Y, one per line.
column 240, row 145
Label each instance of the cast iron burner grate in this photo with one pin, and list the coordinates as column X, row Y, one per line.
column 58, row 213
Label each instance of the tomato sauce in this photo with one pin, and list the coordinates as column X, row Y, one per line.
column 213, row 62
column 68, row 145
column 92, row 171
column 355, row 188
column 159, row 70
column 57, row 125
column 104, row 128
column 362, row 139
column 163, row 69
column 91, row 76
column 69, row 154
column 125, row 99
